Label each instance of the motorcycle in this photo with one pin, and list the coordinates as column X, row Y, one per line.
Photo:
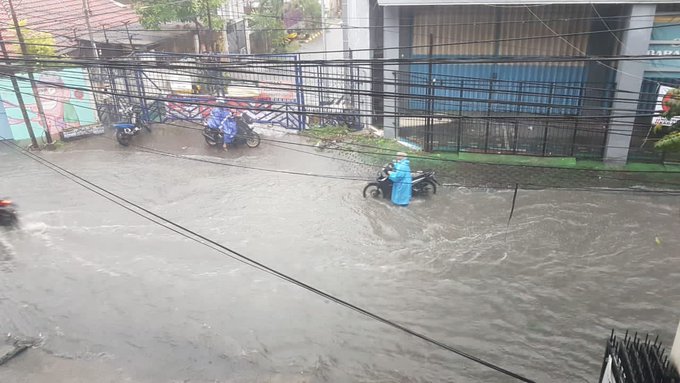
column 214, row 136
column 423, row 183
column 126, row 130
column 8, row 214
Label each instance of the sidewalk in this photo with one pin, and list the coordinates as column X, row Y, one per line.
column 504, row 171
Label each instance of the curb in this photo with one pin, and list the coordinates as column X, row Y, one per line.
column 312, row 37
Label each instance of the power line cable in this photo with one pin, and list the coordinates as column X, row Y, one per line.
column 245, row 108
column 354, row 178
column 307, row 112
column 529, row 38
column 260, row 266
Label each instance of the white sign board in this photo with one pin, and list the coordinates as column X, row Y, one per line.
column 675, row 351
column 608, row 376
column 659, row 120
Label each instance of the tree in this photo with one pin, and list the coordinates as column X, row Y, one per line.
column 202, row 13
column 671, row 140
column 311, row 9
column 267, row 22
column 38, row 44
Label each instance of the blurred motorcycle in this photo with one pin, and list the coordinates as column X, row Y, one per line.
column 8, row 214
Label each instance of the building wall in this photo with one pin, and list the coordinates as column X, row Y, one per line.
column 501, row 32
column 64, row 108
column 658, row 73
column 357, row 38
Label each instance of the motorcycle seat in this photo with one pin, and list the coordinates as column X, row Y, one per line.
column 123, row 125
column 420, row 174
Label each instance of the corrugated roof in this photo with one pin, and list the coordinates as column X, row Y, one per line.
column 65, row 19
column 140, row 36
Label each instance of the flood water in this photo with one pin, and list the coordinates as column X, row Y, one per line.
column 114, row 297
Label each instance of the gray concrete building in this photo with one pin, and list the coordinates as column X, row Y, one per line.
column 535, row 78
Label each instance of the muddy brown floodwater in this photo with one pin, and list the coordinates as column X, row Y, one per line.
column 113, row 297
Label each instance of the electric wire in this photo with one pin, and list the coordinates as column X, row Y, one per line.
column 260, row 266
column 382, row 152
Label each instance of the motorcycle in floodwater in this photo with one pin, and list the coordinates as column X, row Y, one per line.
column 8, row 214
column 214, row 135
column 423, row 183
column 126, row 130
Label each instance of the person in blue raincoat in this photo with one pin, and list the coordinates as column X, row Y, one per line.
column 401, row 179
column 221, row 118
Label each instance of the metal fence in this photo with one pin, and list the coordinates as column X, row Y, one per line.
column 632, row 359
column 272, row 89
column 519, row 134
column 506, row 117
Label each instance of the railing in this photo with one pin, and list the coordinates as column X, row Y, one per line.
column 632, row 359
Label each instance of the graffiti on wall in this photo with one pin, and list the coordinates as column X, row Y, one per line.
column 66, row 108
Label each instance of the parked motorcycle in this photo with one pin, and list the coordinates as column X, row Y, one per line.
column 126, row 130
column 214, row 136
column 423, row 183
column 8, row 213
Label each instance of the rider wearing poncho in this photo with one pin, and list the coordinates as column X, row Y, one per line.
column 401, row 179
column 222, row 119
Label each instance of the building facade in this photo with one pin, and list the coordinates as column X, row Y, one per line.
column 539, row 78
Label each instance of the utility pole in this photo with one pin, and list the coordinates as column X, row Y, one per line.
column 20, row 99
column 323, row 29
column 210, row 27
column 34, row 88
column 86, row 9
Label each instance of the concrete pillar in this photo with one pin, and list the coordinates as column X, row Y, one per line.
column 356, row 20
column 629, row 82
column 390, row 40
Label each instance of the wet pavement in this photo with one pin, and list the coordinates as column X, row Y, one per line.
column 115, row 298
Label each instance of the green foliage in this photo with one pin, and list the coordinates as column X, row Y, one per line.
column 671, row 140
column 327, row 132
column 154, row 13
column 267, row 21
column 311, row 10
column 38, row 44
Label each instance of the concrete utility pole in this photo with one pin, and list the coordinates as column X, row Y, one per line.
column 34, row 88
column 209, row 44
column 20, row 98
column 86, row 9
column 323, row 29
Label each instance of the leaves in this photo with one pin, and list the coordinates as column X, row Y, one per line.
column 311, row 9
column 671, row 141
column 154, row 13
column 268, row 22
column 38, row 44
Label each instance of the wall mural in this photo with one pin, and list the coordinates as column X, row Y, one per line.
column 66, row 109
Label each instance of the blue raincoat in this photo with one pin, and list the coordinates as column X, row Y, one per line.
column 401, row 178
column 222, row 119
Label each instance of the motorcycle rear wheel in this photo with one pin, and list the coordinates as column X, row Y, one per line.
column 211, row 141
column 372, row 190
column 428, row 187
column 253, row 140
column 123, row 139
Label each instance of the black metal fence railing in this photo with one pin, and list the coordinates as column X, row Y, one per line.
column 507, row 117
column 632, row 359
column 566, row 136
